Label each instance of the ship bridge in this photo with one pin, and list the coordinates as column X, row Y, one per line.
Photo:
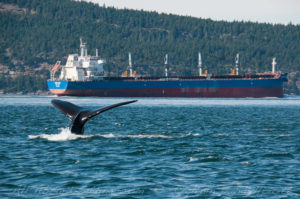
column 81, row 67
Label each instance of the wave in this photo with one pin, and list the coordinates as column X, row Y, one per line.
column 66, row 135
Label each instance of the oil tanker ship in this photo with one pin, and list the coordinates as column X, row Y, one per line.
column 83, row 75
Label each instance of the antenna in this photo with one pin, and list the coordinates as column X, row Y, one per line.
column 274, row 65
column 237, row 60
column 200, row 64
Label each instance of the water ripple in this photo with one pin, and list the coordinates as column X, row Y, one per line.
column 188, row 148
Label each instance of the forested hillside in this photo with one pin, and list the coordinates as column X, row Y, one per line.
column 35, row 34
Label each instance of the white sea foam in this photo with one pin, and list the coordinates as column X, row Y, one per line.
column 193, row 159
column 148, row 136
column 221, row 135
column 192, row 134
column 246, row 163
column 110, row 135
column 285, row 135
column 66, row 134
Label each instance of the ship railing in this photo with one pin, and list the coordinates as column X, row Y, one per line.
column 187, row 78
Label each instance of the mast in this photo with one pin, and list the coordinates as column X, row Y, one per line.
column 130, row 64
column 274, row 65
column 166, row 65
column 237, row 60
column 200, row 64
column 83, row 49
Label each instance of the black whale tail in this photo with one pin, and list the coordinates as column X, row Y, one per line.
column 79, row 115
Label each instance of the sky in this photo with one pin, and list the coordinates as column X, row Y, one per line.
column 264, row 11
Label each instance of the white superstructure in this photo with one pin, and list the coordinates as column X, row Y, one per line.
column 81, row 67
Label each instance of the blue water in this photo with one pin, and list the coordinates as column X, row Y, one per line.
column 155, row 148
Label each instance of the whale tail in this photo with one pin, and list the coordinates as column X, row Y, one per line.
column 79, row 115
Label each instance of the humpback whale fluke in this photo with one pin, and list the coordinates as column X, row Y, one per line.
column 79, row 115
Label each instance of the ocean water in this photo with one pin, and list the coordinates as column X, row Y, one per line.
column 155, row 148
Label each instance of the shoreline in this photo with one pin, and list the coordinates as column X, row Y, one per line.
column 39, row 92
column 48, row 93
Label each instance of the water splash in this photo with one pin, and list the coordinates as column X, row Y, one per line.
column 66, row 135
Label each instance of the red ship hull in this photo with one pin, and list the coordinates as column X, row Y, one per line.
column 177, row 92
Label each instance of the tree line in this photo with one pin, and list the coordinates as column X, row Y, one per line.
column 49, row 30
